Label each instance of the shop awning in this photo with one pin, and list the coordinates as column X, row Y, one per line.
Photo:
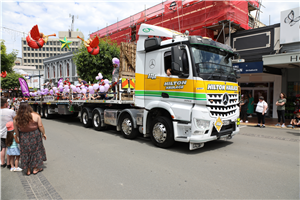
column 283, row 60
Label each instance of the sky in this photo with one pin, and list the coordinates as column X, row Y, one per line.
column 52, row 16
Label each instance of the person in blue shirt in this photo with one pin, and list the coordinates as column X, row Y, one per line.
column 12, row 147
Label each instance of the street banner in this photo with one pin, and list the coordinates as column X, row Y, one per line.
column 24, row 87
column 60, row 81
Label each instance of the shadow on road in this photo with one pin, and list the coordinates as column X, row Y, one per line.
column 179, row 147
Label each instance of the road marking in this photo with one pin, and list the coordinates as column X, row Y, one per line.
column 38, row 187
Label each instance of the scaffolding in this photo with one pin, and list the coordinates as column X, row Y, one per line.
column 201, row 17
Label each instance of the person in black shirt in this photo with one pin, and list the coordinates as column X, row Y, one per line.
column 244, row 107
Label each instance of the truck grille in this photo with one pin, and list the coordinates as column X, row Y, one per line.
column 223, row 105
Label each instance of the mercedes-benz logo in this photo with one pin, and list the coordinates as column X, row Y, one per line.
column 152, row 63
column 225, row 99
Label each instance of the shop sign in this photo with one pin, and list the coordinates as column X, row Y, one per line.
column 250, row 67
column 289, row 26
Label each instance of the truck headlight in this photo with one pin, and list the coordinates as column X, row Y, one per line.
column 202, row 124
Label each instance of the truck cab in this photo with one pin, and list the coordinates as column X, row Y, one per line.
column 198, row 102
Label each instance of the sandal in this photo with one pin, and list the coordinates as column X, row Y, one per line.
column 38, row 171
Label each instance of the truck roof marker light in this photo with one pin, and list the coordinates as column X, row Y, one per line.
column 173, row 117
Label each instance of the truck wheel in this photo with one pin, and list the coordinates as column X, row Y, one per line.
column 46, row 114
column 97, row 121
column 85, row 119
column 127, row 127
column 162, row 134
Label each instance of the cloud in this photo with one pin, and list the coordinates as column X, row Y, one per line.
column 273, row 9
column 52, row 17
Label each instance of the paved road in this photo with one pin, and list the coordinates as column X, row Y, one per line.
column 86, row 164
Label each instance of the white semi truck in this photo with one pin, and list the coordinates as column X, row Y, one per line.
column 197, row 103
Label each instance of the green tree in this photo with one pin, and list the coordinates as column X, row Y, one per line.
column 88, row 66
column 7, row 60
column 11, row 81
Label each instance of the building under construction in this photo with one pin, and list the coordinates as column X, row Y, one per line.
column 214, row 19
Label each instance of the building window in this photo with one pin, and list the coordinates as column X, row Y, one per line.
column 32, row 55
column 24, row 54
column 47, row 55
column 40, row 66
column 50, row 48
column 32, row 60
column 28, row 60
column 36, row 60
column 50, row 42
column 24, row 48
column 36, row 55
column 40, row 61
column 66, row 49
column 54, row 43
column 40, row 55
column 36, row 67
column 28, row 48
column 47, row 48
column 43, row 55
column 68, row 70
column 43, row 48
column 24, row 42
column 25, row 61
column 48, row 72
column 50, row 54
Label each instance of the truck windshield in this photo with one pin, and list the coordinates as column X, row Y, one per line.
column 212, row 63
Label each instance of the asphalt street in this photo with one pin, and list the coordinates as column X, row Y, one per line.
column 87, row 164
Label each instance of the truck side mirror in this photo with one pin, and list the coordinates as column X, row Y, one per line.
column 176, row 66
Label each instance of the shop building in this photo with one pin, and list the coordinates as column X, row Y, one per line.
column 269, row 62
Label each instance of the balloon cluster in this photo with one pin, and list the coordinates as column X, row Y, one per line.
column 102, row 86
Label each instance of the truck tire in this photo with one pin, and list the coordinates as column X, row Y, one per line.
column 96, row 120
column 162, row 134
column 85, row 119
column 46, row 114
column 127, row 127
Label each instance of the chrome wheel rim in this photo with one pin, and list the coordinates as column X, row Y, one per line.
column 85, row 118
column 159, row 132
column 127, row 126
column 46, row 112
column 96, row 120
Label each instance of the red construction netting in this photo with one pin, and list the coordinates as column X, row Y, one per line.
column 195, row 16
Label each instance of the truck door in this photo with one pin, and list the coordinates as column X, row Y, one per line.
column 178, row 90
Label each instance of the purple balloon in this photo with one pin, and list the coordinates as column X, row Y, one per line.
column 95, row 86
column 51, row 92
column 83, row 91
column 78, row 89
column 97, row 78
column 106, row 86
column 100, row 76
column 102, row 89
column 106, row 81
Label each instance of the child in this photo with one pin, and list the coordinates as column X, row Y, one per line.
column 12, row 147
column 295, row 121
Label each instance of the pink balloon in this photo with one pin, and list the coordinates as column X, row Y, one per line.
column 83, row 91
column 106, row 86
